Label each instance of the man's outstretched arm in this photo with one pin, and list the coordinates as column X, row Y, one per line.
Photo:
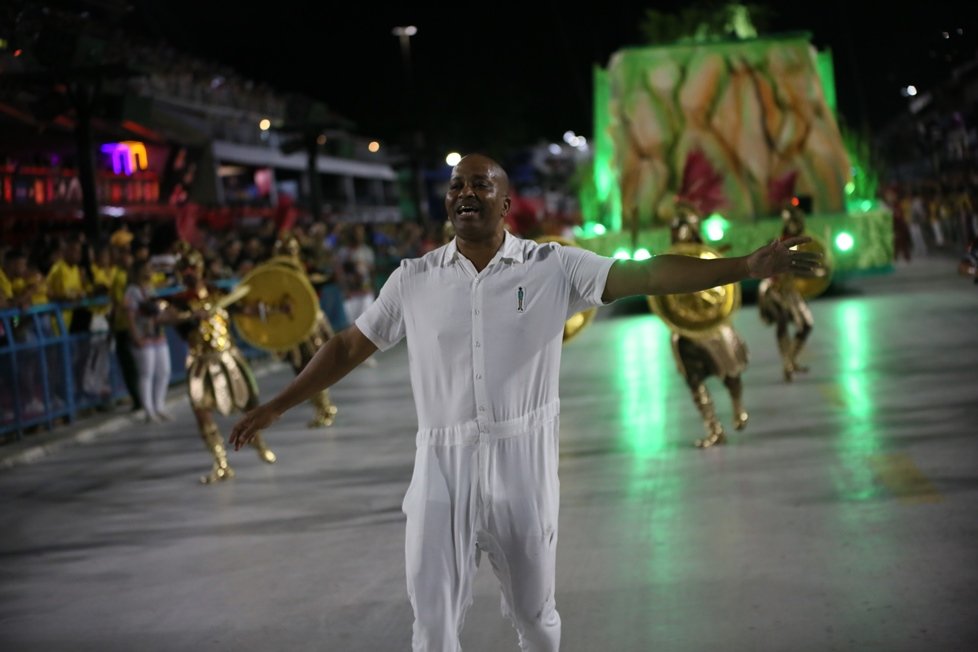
column 673, row 274
column 338, row 357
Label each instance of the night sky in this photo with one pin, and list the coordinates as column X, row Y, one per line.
column 487, row 76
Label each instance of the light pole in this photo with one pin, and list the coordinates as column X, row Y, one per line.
column 416, row 138
column 404, row 34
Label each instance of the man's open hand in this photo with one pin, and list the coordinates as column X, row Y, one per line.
column 778, row 258
column 251, row 424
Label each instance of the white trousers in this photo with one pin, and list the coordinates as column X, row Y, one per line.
column 153, row 363
column 489, row 489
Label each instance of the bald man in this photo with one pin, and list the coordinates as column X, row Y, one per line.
column 483, row 317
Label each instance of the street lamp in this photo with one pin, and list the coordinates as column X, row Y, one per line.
column 416, row 142
column 405, row 33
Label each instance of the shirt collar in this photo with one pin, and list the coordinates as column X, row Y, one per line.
column 511, row 250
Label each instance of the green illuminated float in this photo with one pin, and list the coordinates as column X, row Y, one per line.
column 738, row 128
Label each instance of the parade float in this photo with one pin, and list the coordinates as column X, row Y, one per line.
column 740, row 129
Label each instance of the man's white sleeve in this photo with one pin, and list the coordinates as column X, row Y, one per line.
column 587, row 274
column 383, row 321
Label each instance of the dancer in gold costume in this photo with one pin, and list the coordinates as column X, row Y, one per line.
column 286, row 253
column 719, row 351
column 218, row 376
column 782, row 305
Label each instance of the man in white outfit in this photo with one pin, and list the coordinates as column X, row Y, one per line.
column 483, row 317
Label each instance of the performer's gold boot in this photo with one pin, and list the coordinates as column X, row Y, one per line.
column 325, row 410
column 215, row 442
column 714, row 431
column 786, row 347
column 264, row 452
column 740, row 414
column 797, row 344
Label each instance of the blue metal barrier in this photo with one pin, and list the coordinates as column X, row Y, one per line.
column 42, row 366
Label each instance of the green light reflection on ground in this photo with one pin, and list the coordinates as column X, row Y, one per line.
column 643, row 361
column 656, row 487
column 855, row 353
column 864, row 531
column 859, row 438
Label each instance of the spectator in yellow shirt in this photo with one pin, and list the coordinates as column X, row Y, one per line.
column 103, row 272
column 26, row 288
column 121, row 241
column 19, row 290
column 65, row 281
column 96, row 377
column 6, row 289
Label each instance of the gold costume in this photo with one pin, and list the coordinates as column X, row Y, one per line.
column 722, row 354
column 218, row 376
column 781, row 303
column 704, row 344
column 287, row 254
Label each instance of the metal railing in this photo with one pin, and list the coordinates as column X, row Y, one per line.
column 48, row 375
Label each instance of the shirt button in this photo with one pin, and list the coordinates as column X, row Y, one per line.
column 477, row 311
column 477, row 345
column 478, row 376
column 482, row 408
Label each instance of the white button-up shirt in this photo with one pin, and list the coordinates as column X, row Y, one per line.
column 485, row 346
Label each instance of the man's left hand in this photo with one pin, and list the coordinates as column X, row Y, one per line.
column 779, row 258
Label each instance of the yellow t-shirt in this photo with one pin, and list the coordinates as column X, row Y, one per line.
column 103, row 276
column 37, row 297
column 65, row 280
column 65, row 284
column 40, row 293
column 6, row 289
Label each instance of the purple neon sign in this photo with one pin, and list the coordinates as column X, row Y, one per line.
column 127, row 156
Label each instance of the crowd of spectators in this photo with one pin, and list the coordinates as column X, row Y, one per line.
column 96, row 286
column 939, row 214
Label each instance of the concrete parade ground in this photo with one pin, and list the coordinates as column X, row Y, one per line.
column 842, row 518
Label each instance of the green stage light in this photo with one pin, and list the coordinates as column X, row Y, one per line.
column 850, row 188
column 622, row 254
column 866, row 205
column 844, row 241
column 715, row 226
column 642, row 254
column 589, row 230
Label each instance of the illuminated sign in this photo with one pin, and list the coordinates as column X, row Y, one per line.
column 127, row 156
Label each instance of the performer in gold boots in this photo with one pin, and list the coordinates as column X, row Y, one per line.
column 781, row 303
column 218, row 376
column 704, row 343
column 286, row 253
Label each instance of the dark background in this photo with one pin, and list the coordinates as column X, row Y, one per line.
column 490, row 75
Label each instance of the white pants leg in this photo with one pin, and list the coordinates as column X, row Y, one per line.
column 917, row 237
column 521, row 537
column 440, row 552
column 495, row 492
column 146, row 364
column 161, row 374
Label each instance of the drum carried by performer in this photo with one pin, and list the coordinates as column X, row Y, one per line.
column 704, row 343
column 286, row 268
